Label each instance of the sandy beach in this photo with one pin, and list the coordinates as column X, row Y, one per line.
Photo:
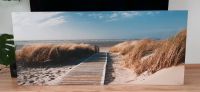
column 3, row 69
column 42, row 76
column 121, row 75
column 104, row 49
column 116, row 74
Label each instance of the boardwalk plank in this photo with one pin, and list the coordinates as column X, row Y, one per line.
column 89, row 72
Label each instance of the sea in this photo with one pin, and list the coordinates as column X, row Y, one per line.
column 98, row 42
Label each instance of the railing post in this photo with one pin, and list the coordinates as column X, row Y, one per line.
column 104, row 71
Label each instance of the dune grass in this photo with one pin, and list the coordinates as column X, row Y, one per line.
column 57, row 53
column 123, row 48
column 153, row 55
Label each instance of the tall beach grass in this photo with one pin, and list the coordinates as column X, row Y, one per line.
column 152, row 55
column 54, row 53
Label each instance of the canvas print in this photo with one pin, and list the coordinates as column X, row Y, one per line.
column 100, row 48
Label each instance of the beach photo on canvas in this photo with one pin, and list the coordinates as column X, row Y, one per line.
column 100, row 47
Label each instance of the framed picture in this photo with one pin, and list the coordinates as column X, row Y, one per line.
column 100, row 47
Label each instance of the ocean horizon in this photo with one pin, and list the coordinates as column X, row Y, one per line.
column 98, row 42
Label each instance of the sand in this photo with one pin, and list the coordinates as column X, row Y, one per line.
column 45, row 76
column 104, row 49
column 42, row 76
column 121, row 75
column 4, row 68
column 168, row 76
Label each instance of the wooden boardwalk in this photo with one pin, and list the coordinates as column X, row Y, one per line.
column 89, row 72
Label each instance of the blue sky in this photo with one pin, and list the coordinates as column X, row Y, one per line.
column 98, row 25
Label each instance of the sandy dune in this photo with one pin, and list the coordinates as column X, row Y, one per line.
column 167, row 76
column 104, row 49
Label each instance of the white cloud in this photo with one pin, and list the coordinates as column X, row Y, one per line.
column 112, row 19
column 96, row 15
column 53, row 21
column 80, row 14
column 113, row 15
column 130, row 14
column 31, row 22
column 123, row 14
column 100, row 16
column 152, row 12
column 37, row 18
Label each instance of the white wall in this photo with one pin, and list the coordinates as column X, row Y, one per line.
column 193, row 51
column 6, row 7
column 178, row 5
column 193, row 30
column 193, row 38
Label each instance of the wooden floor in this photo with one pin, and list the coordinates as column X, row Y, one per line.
column 192, row 84
column 89, row 72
